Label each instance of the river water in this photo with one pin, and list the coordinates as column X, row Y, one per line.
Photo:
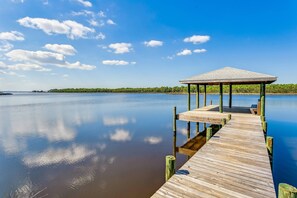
column 111, row 145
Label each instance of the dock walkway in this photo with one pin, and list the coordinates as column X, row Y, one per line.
column 233, row 163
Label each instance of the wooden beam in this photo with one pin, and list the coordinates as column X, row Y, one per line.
column 221, row 98
column 205, row 95
column 174, row 131
column 230, row 96
column 262, row 98
column 197, row 105
column 170, row 167
column 189, row 97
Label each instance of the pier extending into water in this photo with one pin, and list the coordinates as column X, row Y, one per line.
column 233, row 156
column 233, row 163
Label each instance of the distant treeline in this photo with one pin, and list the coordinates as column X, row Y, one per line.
column 244, row 89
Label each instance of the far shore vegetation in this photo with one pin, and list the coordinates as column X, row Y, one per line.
column 236, row 89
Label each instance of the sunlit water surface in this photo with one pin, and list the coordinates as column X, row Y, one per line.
column 110, row 145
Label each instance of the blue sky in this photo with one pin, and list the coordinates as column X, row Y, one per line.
column 48, row 44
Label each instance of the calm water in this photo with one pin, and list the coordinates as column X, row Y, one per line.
column 110, row 145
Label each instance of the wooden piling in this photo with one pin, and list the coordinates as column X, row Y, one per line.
column 189, row 130
column 262, row 99
column 269, row 145
column 286, row 191
column 223, row 122
column 174, row 131
column 264, row 125
column 208, row 133
column 230, row 95
column 170, row 167
column 205, row 95
column 229, row 117
column 189, row 97
column 221, row 98
column 197, row 105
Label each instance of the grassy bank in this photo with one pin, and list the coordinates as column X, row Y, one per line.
column 242, row 89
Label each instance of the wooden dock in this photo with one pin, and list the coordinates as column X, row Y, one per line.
column 233, row 163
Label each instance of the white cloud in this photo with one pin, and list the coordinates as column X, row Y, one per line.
column 117, row 62
column 72, row 29
column 45, row 58
column 101, row 14
column 23, row 67
column 83, row 13
column 18, row 1
column 5, row 46
column 197, row 39
column 65, row 76
column 61, row 48
column 12, row 36
column 199, row 50
column 10, row 73
column 110, row 22
column 185, row 52
column 120, row 135
column 85, row 3
column 183, row 131
column 153, row 140
column 100, row 36
column 112, row 121
column 153, row 43
column 51, row 156
column 120, row 48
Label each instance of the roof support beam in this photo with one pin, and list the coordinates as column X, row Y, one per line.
column 205, row 95
column 230, row 96
column 263, row 99
column 221, row 98
column 189, row 97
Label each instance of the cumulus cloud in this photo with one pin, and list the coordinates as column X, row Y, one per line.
column 12, row 36
column 199, row 50
column 83, row 13
column 71, row 29
column 117, row 62
column 84, row 3
column 61, row 48
column 45, row 58
column 120, row 135
column 5, row 46
column 184, row 52
column 110, row 22
column 23, row 67
column 197, row 39
column 70, row 155
column 153, row 43
column 153, row 140
column 101, row 14
column 120, row 48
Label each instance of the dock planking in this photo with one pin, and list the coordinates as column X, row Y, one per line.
column 233, row 163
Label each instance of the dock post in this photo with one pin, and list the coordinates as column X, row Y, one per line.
column 286, row 191
column 230, row 95
column 264, row 125
column 223, row 122
column 205, row 95
column 189, row 130
column 170, row 167
column 269, row 146
column 174, row 131
column 229, row 117
column 221, row 97
column 197, row 105
column 208, row 133
column 262, row 99
column 189, row 97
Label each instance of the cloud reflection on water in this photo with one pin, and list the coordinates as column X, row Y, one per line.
column 120, row 135
column 153, row 140
column 70, row 155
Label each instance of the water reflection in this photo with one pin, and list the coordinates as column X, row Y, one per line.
column 153, row 140
column 120, row 135
column 70, row 155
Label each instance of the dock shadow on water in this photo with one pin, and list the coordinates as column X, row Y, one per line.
column 93, row 145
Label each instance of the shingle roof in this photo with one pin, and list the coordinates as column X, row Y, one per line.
column 230, row 75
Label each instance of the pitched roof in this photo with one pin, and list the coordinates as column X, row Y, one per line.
column 230, row 75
